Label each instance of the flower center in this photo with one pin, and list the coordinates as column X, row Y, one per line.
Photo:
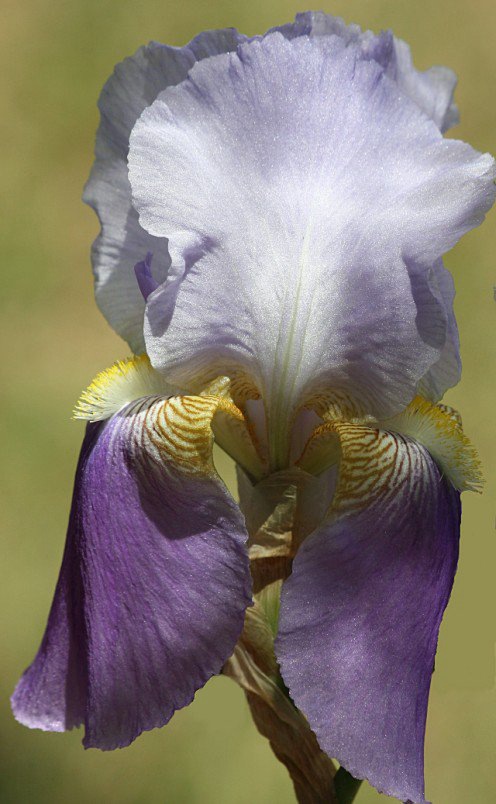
column 265, row 443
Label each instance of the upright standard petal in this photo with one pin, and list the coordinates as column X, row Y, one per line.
column 155, row 580
column 431, row 90
column 360, row 614
column 135, row 84
column 446, row 371
column 297, row 185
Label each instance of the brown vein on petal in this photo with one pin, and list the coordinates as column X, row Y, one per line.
column 372, row 462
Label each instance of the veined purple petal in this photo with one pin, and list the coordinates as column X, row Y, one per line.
column 154, row 584
column 297, row 185
column 360, row 613
column 135, row 84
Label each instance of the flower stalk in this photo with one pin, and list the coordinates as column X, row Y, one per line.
column 254, row 665
column 254, row 668
column 346, row 786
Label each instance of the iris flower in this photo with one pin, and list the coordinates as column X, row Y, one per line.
column 297, row 195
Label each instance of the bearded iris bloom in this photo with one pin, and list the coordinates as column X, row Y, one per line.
column 297, row 195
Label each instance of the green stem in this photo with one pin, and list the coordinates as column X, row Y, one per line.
column 346, row 786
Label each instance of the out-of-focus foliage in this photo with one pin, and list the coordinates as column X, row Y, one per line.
column 56, row 56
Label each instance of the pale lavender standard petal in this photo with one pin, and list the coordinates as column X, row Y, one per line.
column 152, row 592
column 445, row 373
column 297, row 186
column 360, row 613
column 135, row 84
column 432, row 90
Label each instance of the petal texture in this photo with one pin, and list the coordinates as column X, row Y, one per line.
column 360, row 613
column 446, row 371
column 135, row 84
column 155, row 581
column 297, row 185
column 431, row 90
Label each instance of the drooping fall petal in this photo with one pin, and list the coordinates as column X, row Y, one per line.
column 155, row 580
column 360, row 613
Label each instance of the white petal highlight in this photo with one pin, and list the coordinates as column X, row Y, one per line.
column 296, row 185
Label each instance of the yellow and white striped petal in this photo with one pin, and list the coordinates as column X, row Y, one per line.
column 185, row 422
column 435, row 427
column 439, row 429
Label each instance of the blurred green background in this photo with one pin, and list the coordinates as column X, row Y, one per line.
column 56, row 56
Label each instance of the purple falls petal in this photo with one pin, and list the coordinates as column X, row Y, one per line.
column 152, row 592
column 361, row 612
